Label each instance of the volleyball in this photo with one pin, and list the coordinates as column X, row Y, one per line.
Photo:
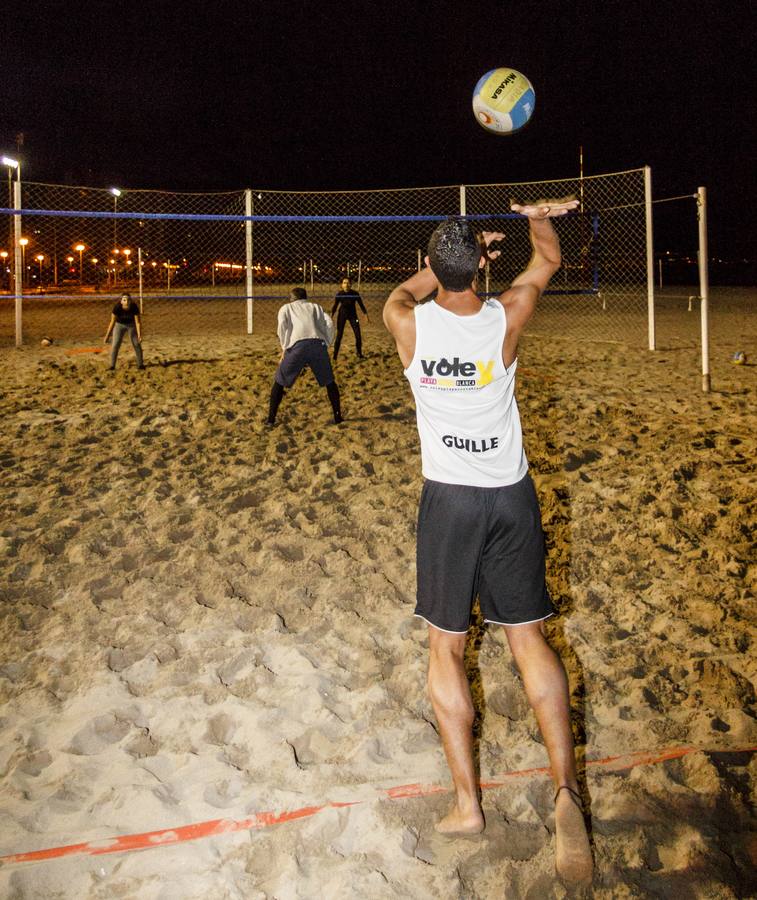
column 503, row 101
column 739, row 358
column 46, row 341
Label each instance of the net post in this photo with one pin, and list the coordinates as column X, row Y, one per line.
column 139, row 275
column 462, row 200
column 650, row 256
column 18, row 268
column 248, row 256
column 704, row 286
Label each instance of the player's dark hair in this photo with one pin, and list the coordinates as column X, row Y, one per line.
column 124, row 294
column 298, row 294
column 454, row 253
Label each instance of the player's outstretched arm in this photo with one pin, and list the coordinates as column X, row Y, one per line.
column 110, row 329
column 399, row 316
column 545, row 258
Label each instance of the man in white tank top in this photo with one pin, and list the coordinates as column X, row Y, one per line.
column 479, row 526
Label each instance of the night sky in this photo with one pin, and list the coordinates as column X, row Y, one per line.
column 304, row 95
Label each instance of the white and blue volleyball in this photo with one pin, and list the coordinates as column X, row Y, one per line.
column 503, row 101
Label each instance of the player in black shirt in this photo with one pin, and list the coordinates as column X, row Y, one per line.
column 125, row 318
column 345, row 301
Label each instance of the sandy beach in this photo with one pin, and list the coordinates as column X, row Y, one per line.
column 204, row 619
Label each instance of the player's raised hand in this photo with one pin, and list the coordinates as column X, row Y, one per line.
column 545, row 209
column 486, row 238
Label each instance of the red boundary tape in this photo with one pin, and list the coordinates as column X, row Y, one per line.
column 258, row 821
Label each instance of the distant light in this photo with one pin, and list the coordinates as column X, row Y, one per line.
column 23, row 241
column 94, row 260
column 69, row 259
column 40, row 257
column 115, row 192
column 7, row 161
column 80, row 248
column 4, row 254
column 126, row 251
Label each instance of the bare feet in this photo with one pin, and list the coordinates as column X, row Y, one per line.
column 572, row 851
column 458, row 824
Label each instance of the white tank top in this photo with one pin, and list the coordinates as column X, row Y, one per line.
column 468, row 419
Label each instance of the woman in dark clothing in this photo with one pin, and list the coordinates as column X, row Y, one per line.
column 125, row 319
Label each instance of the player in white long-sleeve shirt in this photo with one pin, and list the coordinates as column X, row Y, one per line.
column 305, row 332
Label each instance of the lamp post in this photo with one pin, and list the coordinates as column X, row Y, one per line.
column 4, row 257
column 11, row 164
column 22, row 243
column 40, row 257
column 80, row 248
column 116, row 194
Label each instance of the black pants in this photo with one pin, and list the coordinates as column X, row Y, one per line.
column 341, row 319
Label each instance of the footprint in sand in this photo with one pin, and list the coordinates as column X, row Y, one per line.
column 223, row 793
column 97, row 735
column 34, row 763
column 221, row 729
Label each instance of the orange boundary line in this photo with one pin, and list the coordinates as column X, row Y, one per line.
column 74, row 350
column 258, row 821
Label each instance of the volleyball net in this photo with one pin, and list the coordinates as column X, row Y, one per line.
column 223, row 263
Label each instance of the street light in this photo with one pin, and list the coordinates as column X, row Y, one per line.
column 80, row 248
column 22, row 243
column 116, row 194
column 11, row 164
column 40, row 257
column 4, row 257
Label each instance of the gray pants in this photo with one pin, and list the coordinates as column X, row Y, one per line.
column 119, row 331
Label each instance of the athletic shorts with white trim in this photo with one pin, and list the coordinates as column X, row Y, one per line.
column 480, row 541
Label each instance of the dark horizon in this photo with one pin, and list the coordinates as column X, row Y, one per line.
column 300, row 96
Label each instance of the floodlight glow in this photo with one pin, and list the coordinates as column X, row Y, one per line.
column 7, row 161
column 80, row 248
column 115, row 192
column 23, row 241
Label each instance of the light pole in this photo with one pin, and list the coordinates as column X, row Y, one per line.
column 22, row 243
column 80, row 248
column 40, row 257
column 116, row 194
column 11, row 164
column 4, row 257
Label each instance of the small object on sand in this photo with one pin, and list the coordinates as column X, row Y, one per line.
column 46, row 342
column 739, row 358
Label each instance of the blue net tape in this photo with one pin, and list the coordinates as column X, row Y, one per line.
column 193, row 217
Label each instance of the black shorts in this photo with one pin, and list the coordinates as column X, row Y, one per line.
column 480, row 541
column 310, row 352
